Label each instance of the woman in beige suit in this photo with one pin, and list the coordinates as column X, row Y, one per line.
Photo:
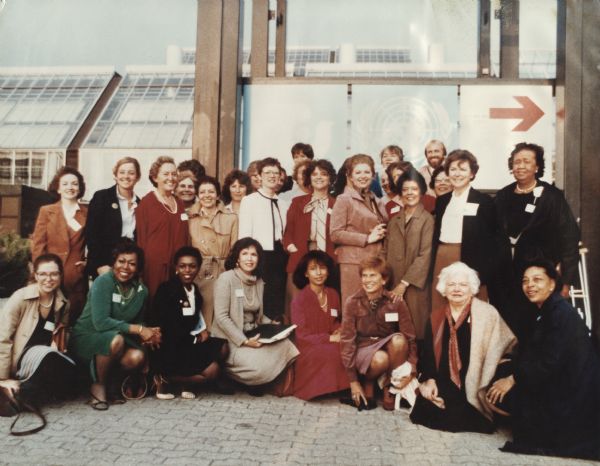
column 408, row 249
column 60, row 230
column 239, row 309
column 357, row 225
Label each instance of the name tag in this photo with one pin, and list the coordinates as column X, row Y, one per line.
column 75, row 225
column 116, row 298
column 188, row 311
column 184, row 217
column 49, row 326
column 395, row 210
column 239, row 293
column 329, row 211
column 529, row 208
column 471, row 208
column 334, row 312
column 140, row 288
column 391, row 317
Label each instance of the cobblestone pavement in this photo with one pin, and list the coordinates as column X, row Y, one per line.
column 237, row 430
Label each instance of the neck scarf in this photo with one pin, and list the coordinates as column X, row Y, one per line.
column 453, row 353
column 318, row 224
column 251, row 298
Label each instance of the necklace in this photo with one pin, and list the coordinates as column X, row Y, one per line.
column 47, row 306
column 123, row 293
column 526, row 190
column 322, row 297
column 168, row 208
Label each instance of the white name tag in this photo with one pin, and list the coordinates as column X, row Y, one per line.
column 239, row 293
column 391, row 317
column 471, row 208
column 140, row 288
column 49, row 326
column 334, row 312
column 529, row 208
column 116, row 298
column 184, row 217
column 329, row 211
column 395, row 210
column 188, row 311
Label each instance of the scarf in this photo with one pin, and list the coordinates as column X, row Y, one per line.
column 318, row 225
column 251, row 298
column 453, row 353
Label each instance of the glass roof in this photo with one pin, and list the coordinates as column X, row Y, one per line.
column 45, row 107
column 153, row 107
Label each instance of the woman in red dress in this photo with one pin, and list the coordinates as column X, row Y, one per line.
column 316, row 311
column 162, row 224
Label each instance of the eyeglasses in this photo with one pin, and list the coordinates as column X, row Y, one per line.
column 271, row 172
column 44, row 275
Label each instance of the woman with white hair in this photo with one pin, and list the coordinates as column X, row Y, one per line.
column 464, row 342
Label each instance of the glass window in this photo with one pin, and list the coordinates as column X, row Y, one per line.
column 537, row 39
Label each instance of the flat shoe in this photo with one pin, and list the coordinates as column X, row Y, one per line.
column 187, row 395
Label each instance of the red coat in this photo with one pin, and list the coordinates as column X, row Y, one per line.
column 319, row 368
column 297, row 230
column 159, row 233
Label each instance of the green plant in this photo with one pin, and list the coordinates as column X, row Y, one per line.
column 14, row 263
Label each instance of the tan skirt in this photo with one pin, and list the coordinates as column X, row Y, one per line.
column 447, row 254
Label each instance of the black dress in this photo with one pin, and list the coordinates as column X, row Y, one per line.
column 178, row 354
column 556, row 399
column 459, row 415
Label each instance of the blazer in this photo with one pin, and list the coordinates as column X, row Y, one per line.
column 552, row 231
column 297, row 230
column 228, row 320
column 255, row 220
column 480, row 245
column 18, row 320
column 103, row 227
column 351, row 222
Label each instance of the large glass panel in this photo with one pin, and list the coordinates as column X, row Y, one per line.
column 537, row 39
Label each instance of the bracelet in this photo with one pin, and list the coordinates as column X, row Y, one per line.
column 140, row 330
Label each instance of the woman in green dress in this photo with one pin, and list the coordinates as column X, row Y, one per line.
column 110, row 332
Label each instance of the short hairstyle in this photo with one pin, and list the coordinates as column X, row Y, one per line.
column 306, row 149
column 297, row 168
column 127, row 246
column 539, row 156
column 545, row 264
column 460, row 155
column 233, row 176
column 49, row 257
column 252, row 166
column 402, row 165
column 322, row 258
column 210, row 180
column 323, row 165
column 186, row 251
column 436, row 171
column 435, row 141
column 341, row 178
column 376, row 263
column 394, row 150
column 155, row 167
column 455, row 269
column 185, row 176
column 62, row 171
column 125, row 160
column 267, row 162
column 357, row 159
column 411, row 175
column 236, row 249
column 194, row 166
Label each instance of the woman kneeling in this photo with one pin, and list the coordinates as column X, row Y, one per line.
column 377, row 336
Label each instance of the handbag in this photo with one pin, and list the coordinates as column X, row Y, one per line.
column 134, row 386
column 60, row 337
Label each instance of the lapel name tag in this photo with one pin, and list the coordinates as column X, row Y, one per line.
column 49, row 326
column 471, row 208
column 395, row 210
column 116, row 298
column 239, row 293
column 334, row 312
column 187, row 311
column 184, row 217
column 529, row 208
column 391, row 317
column 329, row 211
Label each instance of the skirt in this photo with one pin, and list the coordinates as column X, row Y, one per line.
column 32, row 357
column 188, row 360
column 364, row 354
column 448, row 254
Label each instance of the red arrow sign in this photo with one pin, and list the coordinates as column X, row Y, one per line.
column 529, row 113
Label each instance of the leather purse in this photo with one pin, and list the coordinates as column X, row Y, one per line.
column 60, row 337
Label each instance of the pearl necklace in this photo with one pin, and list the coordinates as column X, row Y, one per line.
column 526, row 190
column 164, row 203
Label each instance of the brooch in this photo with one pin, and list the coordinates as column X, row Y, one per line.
column 115, row 205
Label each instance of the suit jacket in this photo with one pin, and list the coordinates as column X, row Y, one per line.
column 351, row 222
column 103, row 228
column 297, row 230
column 480, row 245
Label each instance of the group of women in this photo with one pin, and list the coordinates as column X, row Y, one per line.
column 455, row 298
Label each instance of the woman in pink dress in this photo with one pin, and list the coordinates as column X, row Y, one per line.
column 316, row 311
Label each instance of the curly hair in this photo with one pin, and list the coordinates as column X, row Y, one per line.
column 155, row 168
column 323, row 165
column 128, row 246
column 236, row 249
column 210, row 180
column 394, row 150
column 54, row 184
column 539, row 157
column 235, row 175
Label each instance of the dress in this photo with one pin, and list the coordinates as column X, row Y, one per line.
column 52, row 234
column 556, row 400
column 160, row 234
column 214, row 237
column 319, row 368
column 107, row 313
column 239, row 307
column 408, row 253
column 179, row 352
